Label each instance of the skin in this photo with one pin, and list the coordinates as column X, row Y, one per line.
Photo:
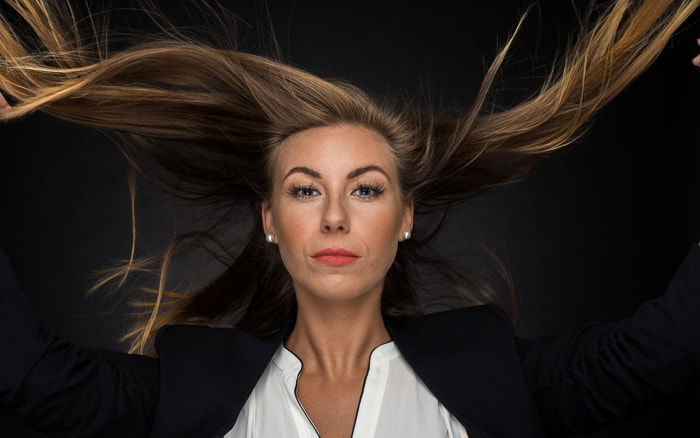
column 3, row 103
column 339, row 318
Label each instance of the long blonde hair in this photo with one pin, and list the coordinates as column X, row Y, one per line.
column 203, row 122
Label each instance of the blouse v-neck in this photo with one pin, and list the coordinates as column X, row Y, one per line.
column 371, row 396
column 393, row 402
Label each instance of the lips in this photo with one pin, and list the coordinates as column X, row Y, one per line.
column 338, row 252
column 336, row 256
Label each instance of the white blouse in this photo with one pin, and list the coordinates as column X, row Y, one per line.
column 394, row 402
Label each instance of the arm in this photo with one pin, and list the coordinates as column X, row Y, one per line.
column 606, row 371
column 64, row 389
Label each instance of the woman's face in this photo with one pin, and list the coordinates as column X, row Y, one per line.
column 326, row 196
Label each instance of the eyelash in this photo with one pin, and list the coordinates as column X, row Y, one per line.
column 378, row 189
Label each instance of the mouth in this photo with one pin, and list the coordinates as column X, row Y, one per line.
column 336, row 256
column 336, row 260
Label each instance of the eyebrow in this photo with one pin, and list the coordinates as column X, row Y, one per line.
column 352, row 174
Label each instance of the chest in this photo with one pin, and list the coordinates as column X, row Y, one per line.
column 331, row 406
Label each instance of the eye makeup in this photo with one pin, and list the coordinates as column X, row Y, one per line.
column 377, row 188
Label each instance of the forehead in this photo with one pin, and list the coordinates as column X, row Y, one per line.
column 334, row 147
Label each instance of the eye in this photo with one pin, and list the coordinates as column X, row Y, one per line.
column 295, row 188
column 377, row 188
column 305, row 191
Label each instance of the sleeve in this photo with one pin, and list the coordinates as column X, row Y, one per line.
column 605, row 371
column 61, row 388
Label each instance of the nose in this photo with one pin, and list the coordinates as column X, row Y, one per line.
column 334, row 217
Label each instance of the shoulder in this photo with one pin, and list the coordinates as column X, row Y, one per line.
column 482, row 320
column 483, row 313
column 138, row 371
column 191, row 339
column 170, row 334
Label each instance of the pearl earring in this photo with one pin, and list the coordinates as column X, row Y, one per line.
column 268, row 237
column 406, row 235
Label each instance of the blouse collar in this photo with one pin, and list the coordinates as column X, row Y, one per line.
column 290, row 364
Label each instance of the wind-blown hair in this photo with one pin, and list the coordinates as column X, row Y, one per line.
column 203, row 123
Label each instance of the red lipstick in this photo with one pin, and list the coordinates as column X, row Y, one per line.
column 335, row 256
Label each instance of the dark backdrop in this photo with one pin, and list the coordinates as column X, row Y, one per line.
column 591, row 232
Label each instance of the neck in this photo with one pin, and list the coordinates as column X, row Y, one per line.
column 335, row 338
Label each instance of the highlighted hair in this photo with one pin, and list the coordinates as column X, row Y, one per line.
column 203, row 123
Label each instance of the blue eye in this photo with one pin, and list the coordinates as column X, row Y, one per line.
column 377, row 188
column 294, row 190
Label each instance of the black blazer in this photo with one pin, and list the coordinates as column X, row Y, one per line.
column 494, row 382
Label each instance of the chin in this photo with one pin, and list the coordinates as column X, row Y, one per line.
column 338, row 299
column 335, row 286
column 334, row 293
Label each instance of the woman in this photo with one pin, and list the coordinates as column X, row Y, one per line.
column 325, row 167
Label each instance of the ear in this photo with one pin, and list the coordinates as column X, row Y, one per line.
column 266, row 216
column 407, row 220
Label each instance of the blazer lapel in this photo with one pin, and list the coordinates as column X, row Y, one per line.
column 468, row 359
column 207, row 374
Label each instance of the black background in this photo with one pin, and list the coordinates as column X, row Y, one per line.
column 593, row 231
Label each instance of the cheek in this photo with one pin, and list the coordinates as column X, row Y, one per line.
column 380, row 225
column 380, row 234
column 291, row 222
column 295, row 227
